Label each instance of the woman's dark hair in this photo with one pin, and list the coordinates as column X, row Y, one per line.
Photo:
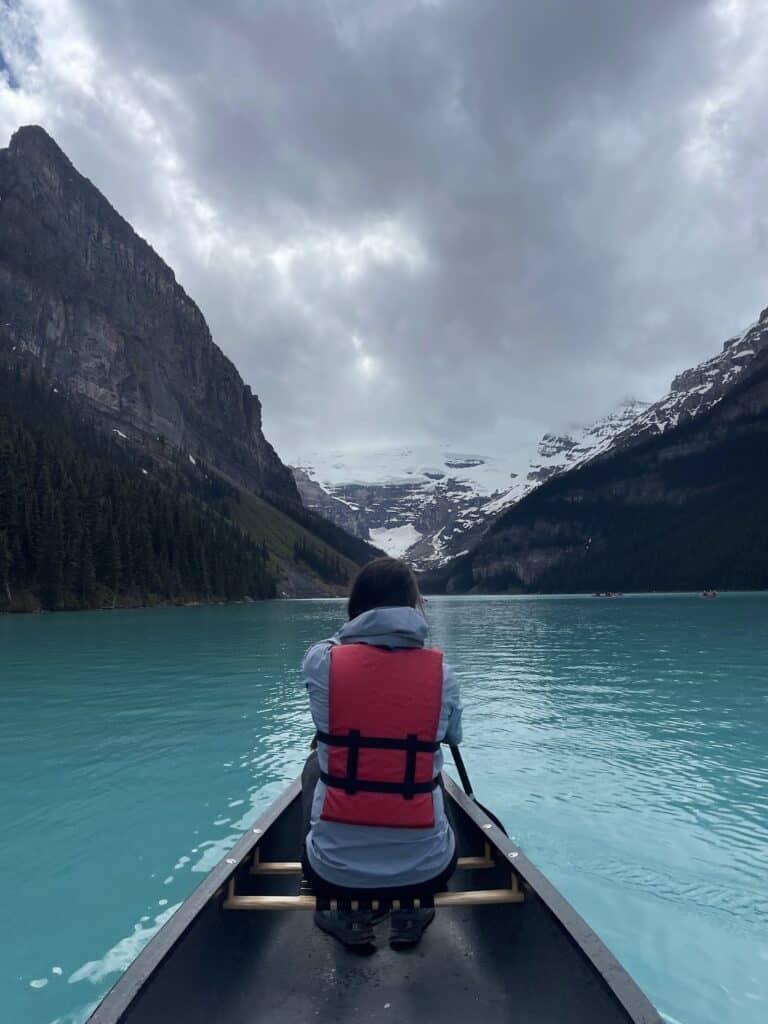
column 383, row 583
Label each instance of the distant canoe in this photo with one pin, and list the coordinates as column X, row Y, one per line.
column 505, row 946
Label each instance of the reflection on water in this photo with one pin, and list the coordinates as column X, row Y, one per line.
column 623, row 742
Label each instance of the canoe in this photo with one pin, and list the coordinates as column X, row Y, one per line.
column 504, row 946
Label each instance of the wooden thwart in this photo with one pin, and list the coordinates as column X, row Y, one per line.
column 470, row 898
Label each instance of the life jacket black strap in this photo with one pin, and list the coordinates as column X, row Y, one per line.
column 354, row 739
column 409, row 779
column 342, row 782
column 354, row 749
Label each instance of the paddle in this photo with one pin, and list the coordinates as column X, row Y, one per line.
column 458, row 760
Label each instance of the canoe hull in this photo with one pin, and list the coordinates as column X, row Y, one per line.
column 535, row 961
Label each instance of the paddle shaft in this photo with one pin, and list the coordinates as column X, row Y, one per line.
column 458, row 760
column 461, row 768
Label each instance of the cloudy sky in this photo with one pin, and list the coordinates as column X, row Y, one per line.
column 412, row 220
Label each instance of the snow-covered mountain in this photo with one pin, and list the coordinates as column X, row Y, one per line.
column 696, row 390
column 402, row 499
column 557, row 453
column 429, row 504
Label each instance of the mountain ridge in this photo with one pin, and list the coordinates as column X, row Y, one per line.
column 108, row 326
column 108, row 320
column 680, row 509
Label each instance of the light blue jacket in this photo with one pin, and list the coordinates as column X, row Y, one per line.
column 361, row 855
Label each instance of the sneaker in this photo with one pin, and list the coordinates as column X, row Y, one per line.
column 353, row 928
column 408, row 926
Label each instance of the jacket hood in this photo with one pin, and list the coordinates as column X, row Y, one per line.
column 386, row 627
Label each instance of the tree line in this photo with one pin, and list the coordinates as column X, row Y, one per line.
column 354, row 548
column 83, row 524
column 327, row 566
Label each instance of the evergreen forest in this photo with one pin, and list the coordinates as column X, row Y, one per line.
column 86, row 523
column 325, row 564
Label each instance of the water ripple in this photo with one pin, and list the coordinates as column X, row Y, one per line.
column 623, row 743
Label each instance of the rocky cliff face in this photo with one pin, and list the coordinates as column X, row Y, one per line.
column 344, row 513
column 105, row 316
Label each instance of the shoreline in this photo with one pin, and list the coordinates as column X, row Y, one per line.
column 579, row 595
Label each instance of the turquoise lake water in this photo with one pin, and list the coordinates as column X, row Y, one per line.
column 624, row 743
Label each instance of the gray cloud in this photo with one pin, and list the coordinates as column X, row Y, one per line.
column 411, row 220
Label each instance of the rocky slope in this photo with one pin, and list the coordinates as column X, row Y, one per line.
column 683, row 508
column 109, row 322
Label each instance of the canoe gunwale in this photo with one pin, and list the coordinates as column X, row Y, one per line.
column 625, row 991
column 160, row 946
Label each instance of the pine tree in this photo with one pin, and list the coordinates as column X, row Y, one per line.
column 52, row 568
column 5, row 568
column 79, row 518
column 87, row 570
column 113, row 562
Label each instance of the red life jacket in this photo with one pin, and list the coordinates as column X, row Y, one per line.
column 383, row 715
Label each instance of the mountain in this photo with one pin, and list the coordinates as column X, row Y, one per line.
column 558, row 453
column 410, row 501
column 428, row 504
column 108, row 321
column 679, row 505
column 104, row 321
column 695, row 391
column 431, row 505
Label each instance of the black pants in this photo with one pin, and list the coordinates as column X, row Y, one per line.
column 309, row 779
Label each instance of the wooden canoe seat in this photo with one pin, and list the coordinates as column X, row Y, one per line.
column 469, row 898
column 307, row 900
column 293, row 867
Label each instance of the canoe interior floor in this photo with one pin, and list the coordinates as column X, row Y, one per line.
column 457, row 973
column 476, row 964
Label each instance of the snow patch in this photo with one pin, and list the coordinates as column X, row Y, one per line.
column 192, row 459
column 395, row 540
column 119, row 433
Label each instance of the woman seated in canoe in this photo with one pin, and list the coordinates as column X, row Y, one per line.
column 374, row 812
